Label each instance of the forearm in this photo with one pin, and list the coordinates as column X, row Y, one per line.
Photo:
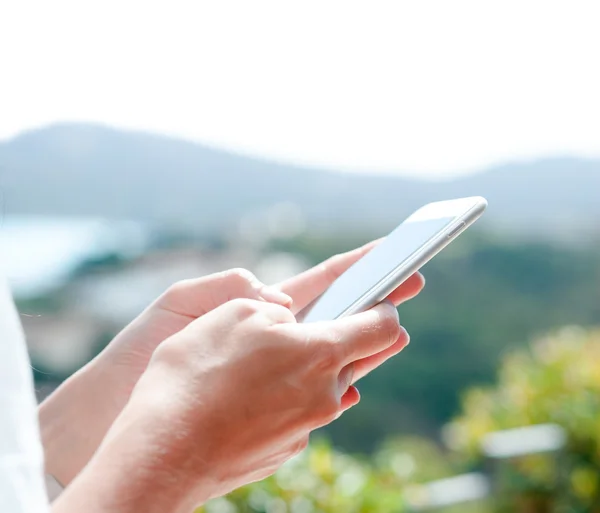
column 116, row 487
column 133, row 471
column 73, row 422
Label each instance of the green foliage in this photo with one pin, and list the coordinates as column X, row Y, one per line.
column 96, row 264
column 556, row 381
column 324, row 480
column 483, row 297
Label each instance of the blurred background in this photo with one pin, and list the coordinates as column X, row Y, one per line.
column 143, row 143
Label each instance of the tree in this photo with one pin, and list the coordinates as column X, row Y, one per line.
column 557, row 380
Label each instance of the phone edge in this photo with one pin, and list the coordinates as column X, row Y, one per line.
column 401, row 273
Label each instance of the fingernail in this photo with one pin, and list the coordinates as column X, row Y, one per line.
column 407, row 335
column 395, row 309
column 358, row 397
column 273, row 295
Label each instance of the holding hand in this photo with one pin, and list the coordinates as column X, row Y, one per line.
column 75, row 419
column 228, row 399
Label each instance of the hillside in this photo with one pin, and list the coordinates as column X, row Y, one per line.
column 89, row 170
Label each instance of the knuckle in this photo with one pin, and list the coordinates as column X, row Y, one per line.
column 168, row 352
column 274, row 315
column 175, row 292
column 283, row 314
column 263, row 314
column 244, row 307
column 176, row 289
column 240, row 277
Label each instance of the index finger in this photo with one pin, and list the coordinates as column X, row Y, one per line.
column 310, row 284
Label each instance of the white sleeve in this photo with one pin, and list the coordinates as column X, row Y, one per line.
column 22, row 487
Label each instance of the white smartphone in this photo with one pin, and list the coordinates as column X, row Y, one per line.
column 403, row 252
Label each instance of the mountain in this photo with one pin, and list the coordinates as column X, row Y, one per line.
column 92, row 170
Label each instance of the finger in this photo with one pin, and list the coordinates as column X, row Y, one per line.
column 409, row 289
column 357, row 336
column 345, row 379
column 239, row 310
column 196, row 297
column 349, row 399
column 365, row 365
column 310, row 284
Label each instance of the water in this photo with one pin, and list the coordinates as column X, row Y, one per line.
column 38, row 254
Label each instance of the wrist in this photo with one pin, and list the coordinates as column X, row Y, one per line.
column 134, row 470
column 73, row 421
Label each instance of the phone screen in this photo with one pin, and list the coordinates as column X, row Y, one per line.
column 375, row 266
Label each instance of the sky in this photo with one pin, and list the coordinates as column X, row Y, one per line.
column 427, row 88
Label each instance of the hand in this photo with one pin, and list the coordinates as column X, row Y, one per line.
column 128, row 354
column 76, row 417
column 306, row 287
column 226, row 401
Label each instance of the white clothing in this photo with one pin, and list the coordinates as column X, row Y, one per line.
column 22, row 487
